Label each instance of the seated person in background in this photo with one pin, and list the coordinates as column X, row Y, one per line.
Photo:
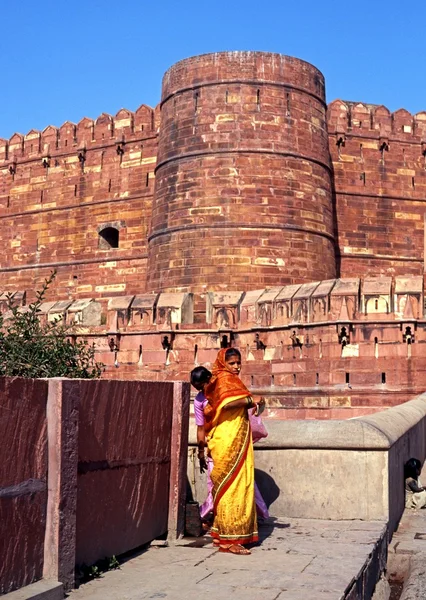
column 415, row 494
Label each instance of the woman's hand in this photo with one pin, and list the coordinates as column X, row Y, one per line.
column 203, row 463
column 259, row 407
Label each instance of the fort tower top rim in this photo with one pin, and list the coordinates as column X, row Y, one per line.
column 241, row 53
column 232, row 66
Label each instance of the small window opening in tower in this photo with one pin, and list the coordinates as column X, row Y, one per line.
column 109, row 238
column 376, row 304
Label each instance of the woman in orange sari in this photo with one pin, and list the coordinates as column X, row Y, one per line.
column 230, row 445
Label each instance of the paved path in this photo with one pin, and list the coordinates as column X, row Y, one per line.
column 298, row 559
column 407, row 554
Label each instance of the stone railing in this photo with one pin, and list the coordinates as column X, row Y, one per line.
column 352, row 469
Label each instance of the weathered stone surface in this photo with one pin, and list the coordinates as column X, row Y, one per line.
column 22, row 526
column 62, row 420
column 42, row 590
column 124, row 458
column 84, row 312
column 23, row 481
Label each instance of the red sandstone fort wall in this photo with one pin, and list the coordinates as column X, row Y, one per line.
column 379, row 164
column 238, row 188
column 59, row 188
column 252, row 187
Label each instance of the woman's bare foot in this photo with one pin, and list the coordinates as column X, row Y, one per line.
column 234, row 549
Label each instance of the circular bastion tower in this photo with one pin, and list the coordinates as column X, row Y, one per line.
column 243, row 188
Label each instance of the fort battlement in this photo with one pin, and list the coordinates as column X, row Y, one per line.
column 86, row 134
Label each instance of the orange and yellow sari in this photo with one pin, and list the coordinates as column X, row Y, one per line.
column 231, row 448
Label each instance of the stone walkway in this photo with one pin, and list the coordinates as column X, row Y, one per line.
column 407, row 554
column 298, row 559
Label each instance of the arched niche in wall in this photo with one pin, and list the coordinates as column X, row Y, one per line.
column 109, row 235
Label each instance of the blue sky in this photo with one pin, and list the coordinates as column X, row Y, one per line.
column 66, row 60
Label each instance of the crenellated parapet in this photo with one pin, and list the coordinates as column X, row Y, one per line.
column 371, row 120
column 334, row 300
column 88, row 133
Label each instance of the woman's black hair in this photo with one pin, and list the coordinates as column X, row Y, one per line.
column 232, row 352
column 412, row 467
column 200, row 375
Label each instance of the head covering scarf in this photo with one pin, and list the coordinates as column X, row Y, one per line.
column 223, row 385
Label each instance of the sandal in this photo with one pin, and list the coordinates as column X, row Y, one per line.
column 234, row 549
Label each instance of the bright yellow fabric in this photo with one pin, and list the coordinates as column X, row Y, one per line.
column 231, row 448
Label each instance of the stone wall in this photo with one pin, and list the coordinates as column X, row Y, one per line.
column 60, row 191
column 239, row 211
column 330, row 349
column 124, row 452
column 350, row 469
column 23, row 481
column 379, row 184
column 94, row 469
column 258, row 184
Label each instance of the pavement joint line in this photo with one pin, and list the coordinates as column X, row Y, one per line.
column 204, row 559
column 309, row 563
column 204, row 578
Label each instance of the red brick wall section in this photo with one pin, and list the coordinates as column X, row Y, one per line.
column 243, row 190
column 380, row 185
column 23, row 488
column 60, row 187
column 124, row 466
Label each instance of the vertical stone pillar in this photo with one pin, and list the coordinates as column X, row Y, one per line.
column 62, row 434
column 178, row 461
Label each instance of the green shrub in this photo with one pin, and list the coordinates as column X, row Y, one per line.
column 31, row 349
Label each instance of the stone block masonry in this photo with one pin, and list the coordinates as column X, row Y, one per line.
column 78, row 199
column 257, row 182
column 243, row 175
column 240, row 181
